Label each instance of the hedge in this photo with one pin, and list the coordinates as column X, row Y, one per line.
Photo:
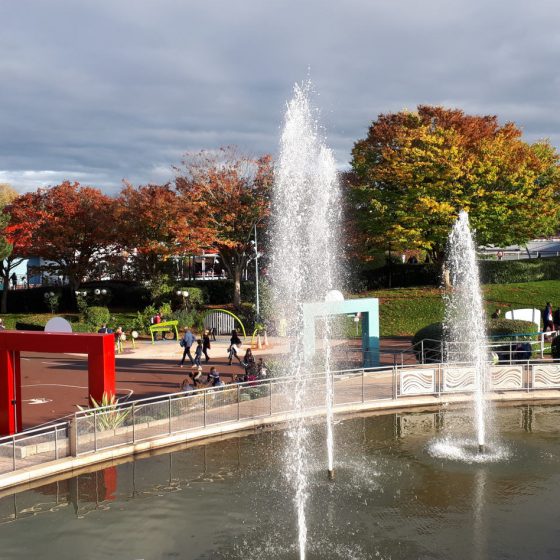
column 491, row 272
column 123, row 295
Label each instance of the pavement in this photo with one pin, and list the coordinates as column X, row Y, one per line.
column 54, row 385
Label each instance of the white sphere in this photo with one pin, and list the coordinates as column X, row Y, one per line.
column 97, row 291
column 123, row 337
column 333, row 296
column 134, row 334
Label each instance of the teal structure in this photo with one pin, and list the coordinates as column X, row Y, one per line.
column 369, row 310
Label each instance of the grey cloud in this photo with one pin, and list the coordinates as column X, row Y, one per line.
column 99, row 91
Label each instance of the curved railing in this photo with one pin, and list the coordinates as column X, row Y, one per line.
column 132, row 422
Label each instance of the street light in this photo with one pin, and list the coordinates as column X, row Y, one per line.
column 257, row 255
column 184, row 294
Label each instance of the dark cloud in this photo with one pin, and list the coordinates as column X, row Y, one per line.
column 99, row 90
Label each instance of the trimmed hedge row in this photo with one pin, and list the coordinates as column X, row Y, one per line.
column 121, row 295
column 491, row 272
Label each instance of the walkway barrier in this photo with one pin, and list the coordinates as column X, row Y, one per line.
column 126, row 423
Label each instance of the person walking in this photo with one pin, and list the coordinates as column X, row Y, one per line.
column 186, row 342
column 496, row 314
column 234, row 345
column 206, row 345
column 556, row 319
column 198, row 352
column 548, row 322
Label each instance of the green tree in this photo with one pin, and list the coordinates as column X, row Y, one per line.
column 415, row 171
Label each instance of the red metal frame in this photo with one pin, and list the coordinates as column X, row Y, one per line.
column 100, row 349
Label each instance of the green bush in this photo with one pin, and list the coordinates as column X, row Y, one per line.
column 97, row 315
column 504, row 329
column 497, row 329
column 188, row 318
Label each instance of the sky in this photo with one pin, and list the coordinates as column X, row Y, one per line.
column 100, row 91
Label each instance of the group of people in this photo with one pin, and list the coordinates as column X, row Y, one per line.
column 254, row 370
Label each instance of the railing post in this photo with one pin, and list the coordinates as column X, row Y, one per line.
column 270, row 393
column 133, row 424
column 73, row 435
column 238, row 403
column 169, row 412
column 394, row 383
column 14, row 452
column 95, row 430
column 422, row 350
column 55, row 443
column 542, row 346
column 204, row 394
column 363, row 380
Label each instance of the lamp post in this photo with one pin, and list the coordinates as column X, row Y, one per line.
column 184, row 294
column 257, row 255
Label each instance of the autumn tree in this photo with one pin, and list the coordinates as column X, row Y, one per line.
column 69, row 225
column 230, row 194
column 154, row 228
column 8, row 260
column 415, row 171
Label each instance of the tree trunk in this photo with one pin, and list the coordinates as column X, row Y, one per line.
column 5, row 288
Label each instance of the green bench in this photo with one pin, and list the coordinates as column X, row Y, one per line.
column 164, row 327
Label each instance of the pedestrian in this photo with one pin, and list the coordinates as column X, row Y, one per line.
column 188, row 384
column 13, row 278
column 234, row 345
column 548, row 322
column 186, row 342
column 249, row 363
column 214, row 377
column 104, row 329
column 206, row 345
column 556, row 319
column 198, row 352
column 261, row 369
column 196, row 374
column 496, row 314
column 2, row 325
column 500, row 255
column 156, row 320
column 214, row 333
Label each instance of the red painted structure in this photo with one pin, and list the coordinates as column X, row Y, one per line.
column 100, row 349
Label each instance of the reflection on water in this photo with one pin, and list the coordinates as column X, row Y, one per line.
column 229, row 500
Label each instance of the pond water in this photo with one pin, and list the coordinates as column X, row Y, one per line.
column 393, row 498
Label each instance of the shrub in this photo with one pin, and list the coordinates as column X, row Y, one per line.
column 504, row 329
column 526, row 270
column 97, row 315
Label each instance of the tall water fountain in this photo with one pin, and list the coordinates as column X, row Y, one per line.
column 306, row 216
column 464, row 326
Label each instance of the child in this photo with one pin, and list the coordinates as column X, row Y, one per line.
column 206, row 345
column 196, row 375
column 198, row 352
column 214, row 377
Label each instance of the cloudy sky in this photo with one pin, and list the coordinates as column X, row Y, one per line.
column 98, row 91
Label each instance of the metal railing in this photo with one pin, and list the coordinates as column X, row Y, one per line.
column 32, row 447
column 127, row 423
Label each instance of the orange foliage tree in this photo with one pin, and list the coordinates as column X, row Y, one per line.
column 153, row 227
column 229, row 194
column 72, row 227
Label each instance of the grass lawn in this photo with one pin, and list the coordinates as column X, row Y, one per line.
column 403, row 311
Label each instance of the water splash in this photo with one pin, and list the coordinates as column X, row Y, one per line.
column 306, row 214
column 464, row 326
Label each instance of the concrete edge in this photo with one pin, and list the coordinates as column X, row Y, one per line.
column 71, row 465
